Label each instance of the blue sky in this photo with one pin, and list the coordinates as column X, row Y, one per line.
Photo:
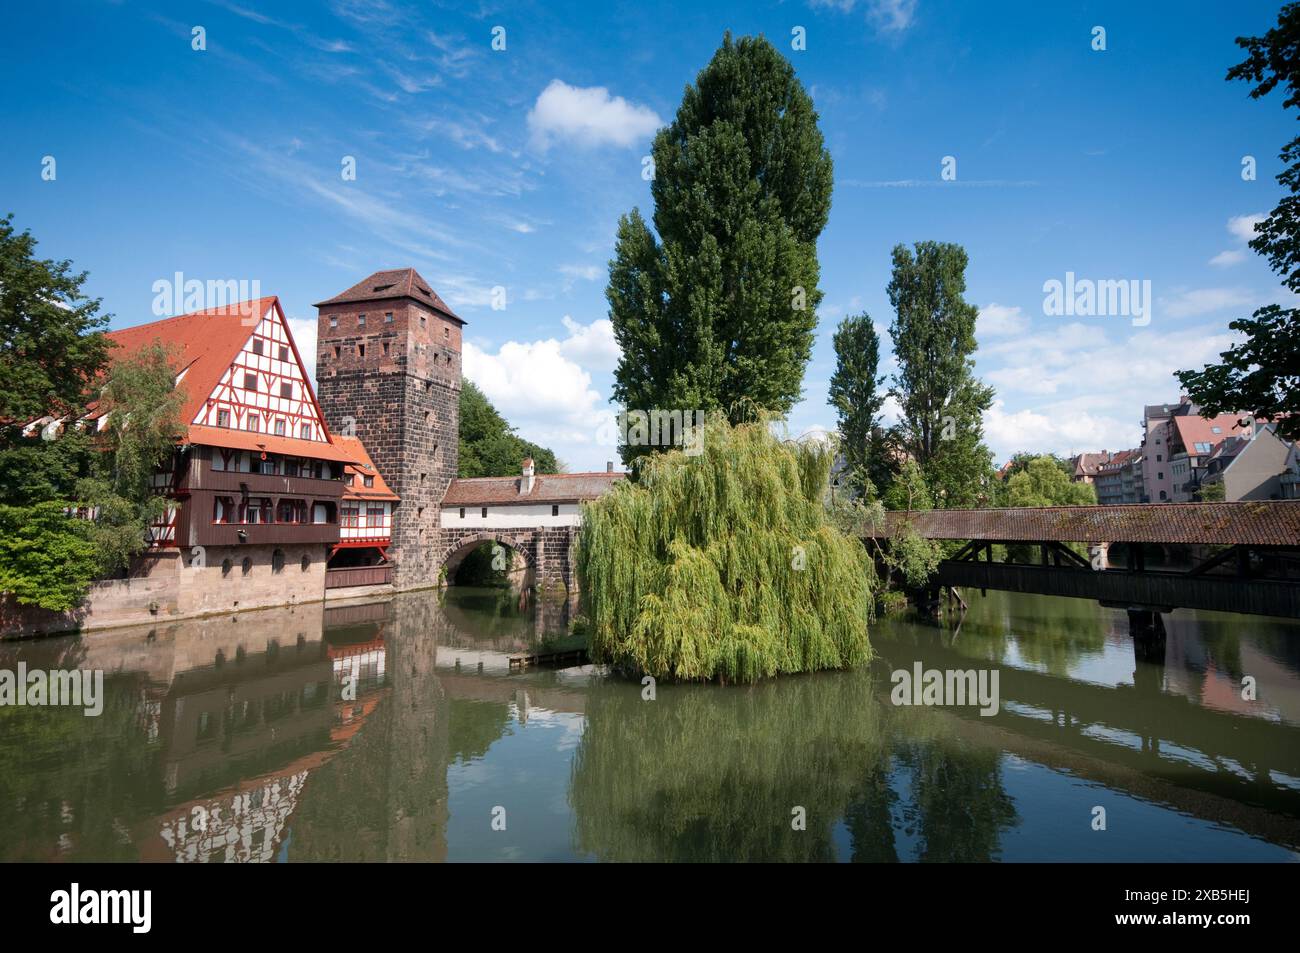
column 509, row 168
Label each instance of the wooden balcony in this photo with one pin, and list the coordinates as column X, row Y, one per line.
column 252, row 534
column 359, row 576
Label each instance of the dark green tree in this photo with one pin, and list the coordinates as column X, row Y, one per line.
column 1262, row 373
column 857, row 394
column 942, row 401
column 489, row 446
column 716, row 308
column 84, row 508
column 51, row 340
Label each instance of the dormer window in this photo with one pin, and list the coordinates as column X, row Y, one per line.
column 368, row 481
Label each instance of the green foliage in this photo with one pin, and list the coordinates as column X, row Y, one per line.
column 724, row 565
column 476, row 569
column 488, row 445
column 909, row 490
column 50, row 558
column 856, row 394
column 942, row 401
column 143, row 404
column 1262, row 373
column 51, row 340
column 46, row 557
column 720, row 308
column 1044, row 483
column 910, row 559
column 1214, row 492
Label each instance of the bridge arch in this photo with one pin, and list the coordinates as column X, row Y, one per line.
column 521, row 546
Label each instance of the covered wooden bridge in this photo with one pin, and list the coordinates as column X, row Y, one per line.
column 1247, row 554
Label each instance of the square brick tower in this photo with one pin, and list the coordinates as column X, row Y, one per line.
column 388, row 370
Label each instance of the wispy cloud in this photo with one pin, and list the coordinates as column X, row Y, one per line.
column 887, row 16
column 1198, row 301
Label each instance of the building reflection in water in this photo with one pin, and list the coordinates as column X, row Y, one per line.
column 330, row 734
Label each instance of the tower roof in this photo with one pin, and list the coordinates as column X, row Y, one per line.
column 395, row 283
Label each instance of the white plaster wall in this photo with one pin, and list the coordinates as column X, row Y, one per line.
column 508, row 517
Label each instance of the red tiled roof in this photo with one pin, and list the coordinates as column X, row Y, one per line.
column 269, row 443
column 1193, row 429
column 362, row 466
column 1263, row 523
column 1087, row 464
column 396, row 283
column 548, row 488
column 205, row 344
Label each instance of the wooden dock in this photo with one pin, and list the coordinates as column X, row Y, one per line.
column 563, row 659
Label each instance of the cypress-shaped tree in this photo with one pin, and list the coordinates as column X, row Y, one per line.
column 857, row 394
column 716, row 307
column 942, row 400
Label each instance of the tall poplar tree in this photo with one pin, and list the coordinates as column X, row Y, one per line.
column 857, row 394
column 942, row 401
column 715, row 308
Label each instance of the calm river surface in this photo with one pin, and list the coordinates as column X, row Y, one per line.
column 398, row 731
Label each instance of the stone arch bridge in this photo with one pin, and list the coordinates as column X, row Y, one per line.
column 546, row 552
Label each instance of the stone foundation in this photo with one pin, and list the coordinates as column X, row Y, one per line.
column 168, row 586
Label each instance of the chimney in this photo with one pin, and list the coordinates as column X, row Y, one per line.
column 609, row 466
column 526, row 481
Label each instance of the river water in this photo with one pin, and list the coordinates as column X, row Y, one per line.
column 398, row 730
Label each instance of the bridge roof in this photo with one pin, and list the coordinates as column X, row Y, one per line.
column 1262, row 523
column 547, row 488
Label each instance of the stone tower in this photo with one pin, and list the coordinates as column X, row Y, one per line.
column 388, row 370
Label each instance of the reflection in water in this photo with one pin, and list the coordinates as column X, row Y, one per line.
column 704, row 774
column 392, row 730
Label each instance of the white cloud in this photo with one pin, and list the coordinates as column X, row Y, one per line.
column 591, row 344
column 588, row 116
column 1080, row 388
column 1062, row 429
column 888, row 16
column 1225, row 259
column 585, row 272
column 1243, row 226
column 304, row 336
column 1187, row 304
column 998, row 320
column 544, row 389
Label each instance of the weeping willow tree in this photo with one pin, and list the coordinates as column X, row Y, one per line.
column 724, row 565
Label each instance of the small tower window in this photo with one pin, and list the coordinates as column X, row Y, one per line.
column 361, row 320
column 334, row 320
column 388, row 317
column 361, row 350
